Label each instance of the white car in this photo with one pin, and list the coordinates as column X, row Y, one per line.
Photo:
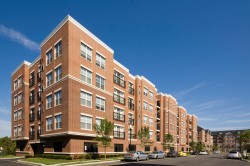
column 234, row 155
column 203, row 153
column 157, row 155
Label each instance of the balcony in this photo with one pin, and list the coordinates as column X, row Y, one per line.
column 119, row 135
column 32, row 135
column 158, row 104
column 131, row 105
column 158, row 138
column 39, row 78
column 119, row 99
column 119, row 81
column 32, row 117
column 32, row 100
column 158, row 127
column 131, row 121
column 38, row 115
column 119, row 117
column 39, row 98
column 32, row 81
column 158, row 115
column 131, row 90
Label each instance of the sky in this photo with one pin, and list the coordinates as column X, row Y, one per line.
column 197, row 51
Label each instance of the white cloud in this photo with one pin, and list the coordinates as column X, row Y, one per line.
column 193, row 88
column 19, row 38
column 207, row 119
column 4, row 110
column 236, row 121
column 5, row 128
column 227, row 128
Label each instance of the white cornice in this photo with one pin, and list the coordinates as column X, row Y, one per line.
column 181, row 107
column 34, row 62
column 133, row 77
column 120, row 65
column 72, row 20
column 23, row 63
column 145, row 79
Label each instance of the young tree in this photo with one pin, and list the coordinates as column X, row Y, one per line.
column 9, row 147
column 193, row 145
column 104, row 131
column 200, row 146
column 168, row 140
column 244, row 139
column 144, row 136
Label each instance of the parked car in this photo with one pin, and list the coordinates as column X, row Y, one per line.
column 172, row 154
column 137, row 155
column 216, row 152
column 182, row 154
column 234, row 155
column 157, row 155
column 195, row 153
column 203, row 153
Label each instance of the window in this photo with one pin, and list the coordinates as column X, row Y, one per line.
column 49, row 79
column 49, row 57
column 100, row 82
column 86, row 75
column 20, row 97
column 15, row 100
column 145, row 119
column 131, row 88
column 150, row 121
column 151, row 108
column 86, row 99
column 15, row 131
column 20, row 131
column 49, row 101
column 86, row 52
column 119, row 132
column 145, row 91
column 145, row 105
column 86, row 122
column 58, row 121
column 15, row 85
column 15, row 116
column 58, row 49
column 118, row 148
column 150, row 134
column 100, row 61
column 151, row 95
column 147, row 148
column 49, row 124
column 58, row 97
column 100, row 104
column 119, row 114
column 119, row 96
column 119, row 79
column 90, row 147
column 20, row 114
column 98, row 121
column 130, row 103
column 58, row 73
column 20, row 81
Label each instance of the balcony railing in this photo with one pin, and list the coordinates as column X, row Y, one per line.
column 158, row 104
column 32, row 100
column 119, row 81
column 39, row 78
column 32, row 117
column 158, row 138
column 131, row 90
column 131, row 121
column 32, row 81
column 39, row 98
column 119, row 99
column 38, row 115
column 131, row 105
column 158, row 115
column 119, row 117
column 32, row 135
column 158, row 127
column 119, row 135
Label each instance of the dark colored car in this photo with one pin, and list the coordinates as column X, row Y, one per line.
column 172, row 154
column 195, row 153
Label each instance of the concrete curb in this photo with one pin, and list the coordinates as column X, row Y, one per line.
column 11, row 158
column 76, row 164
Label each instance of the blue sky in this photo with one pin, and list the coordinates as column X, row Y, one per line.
column 198, row 51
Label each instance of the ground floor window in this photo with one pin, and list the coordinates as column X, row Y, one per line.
column 132, row 147
column 90, row 147
column 182, row 149
column 58, row 147
column 118, row 148
column 147, row 148
column 21, row 147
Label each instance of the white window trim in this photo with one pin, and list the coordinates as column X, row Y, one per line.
column 48, row 73
column 98, row 117
column 120, row 73
column 115, row 124
column 49, row 94
column 100, row 75
column 57, row 90
column 118, row 89
column 100, row 97
column 57, row 41
column 83, row 90
column 58, row 66
column 86, row 115
column 86, row 44
column 118, row 107
column 86, row 68
column 48, row 50
column 49, row 116
column 101, row 54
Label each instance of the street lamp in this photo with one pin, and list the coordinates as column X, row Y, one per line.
column 130, row 136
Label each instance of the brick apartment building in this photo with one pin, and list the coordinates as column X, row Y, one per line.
column 73, row 84
column 205, row 137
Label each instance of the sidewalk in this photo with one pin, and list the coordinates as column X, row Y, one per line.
column 11, row 158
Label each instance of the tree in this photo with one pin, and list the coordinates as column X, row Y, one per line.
column 193, row 145
column 168, row 140
column 144, row 136
column 215, row 148
column 244, row 139
column 104, row 130
column 9, row 147
column 200, row 146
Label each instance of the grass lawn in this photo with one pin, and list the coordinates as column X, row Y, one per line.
column 8, row 156
column 59, row 161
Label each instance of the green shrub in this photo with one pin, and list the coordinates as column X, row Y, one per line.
column 68, row 158
column 28, row 156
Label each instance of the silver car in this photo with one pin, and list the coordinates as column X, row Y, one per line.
column 138, row 155
column 234, row 155
column 157, row 155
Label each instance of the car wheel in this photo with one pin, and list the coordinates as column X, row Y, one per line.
column 156, row 157
column 147, row 158
column 137, row 159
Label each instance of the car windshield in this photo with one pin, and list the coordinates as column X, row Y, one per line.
column 234, row 152
column 131, row 152
column 155, row 152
